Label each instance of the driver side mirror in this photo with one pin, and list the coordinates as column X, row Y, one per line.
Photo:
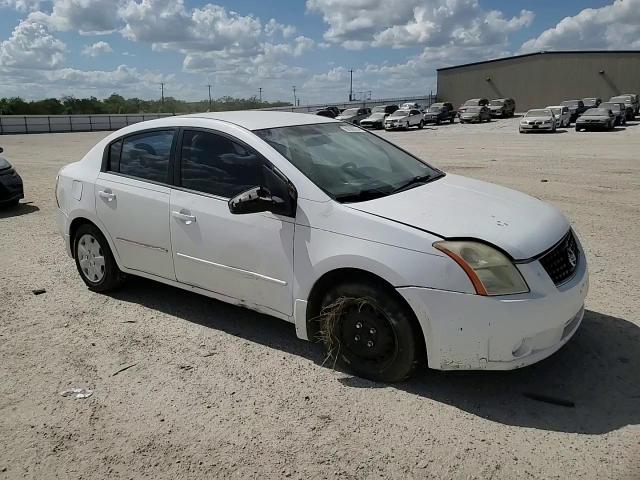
column 277, row 196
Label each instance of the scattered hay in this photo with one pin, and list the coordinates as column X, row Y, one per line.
column 328, row 319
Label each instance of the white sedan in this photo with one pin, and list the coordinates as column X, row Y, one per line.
column 561, row 114
column 404, row 119
column 383, row 257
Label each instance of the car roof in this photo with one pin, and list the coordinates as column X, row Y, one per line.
column 257, row 119
column 550, row 106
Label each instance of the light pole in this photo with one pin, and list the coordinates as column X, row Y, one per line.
column 162, row 92
column 294, row 95
column 351, row 85
column 210, row 101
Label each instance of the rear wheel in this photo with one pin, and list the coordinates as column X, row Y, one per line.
column 94, row 260
column 369, row 331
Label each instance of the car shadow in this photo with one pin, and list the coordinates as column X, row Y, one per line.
column 596, row 371
column 17, row 210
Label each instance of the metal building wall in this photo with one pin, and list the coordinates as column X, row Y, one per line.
column 544, row 78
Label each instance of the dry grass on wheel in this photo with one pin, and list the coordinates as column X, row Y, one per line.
column 328, row 320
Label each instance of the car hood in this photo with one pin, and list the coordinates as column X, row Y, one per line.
column 461, row 207
column 470, row 114
column 391, row 117
column 496, row 107
column 593, row 117
column 537, row 119
column 375, row 116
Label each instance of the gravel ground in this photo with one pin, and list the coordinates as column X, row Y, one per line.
column 218, row 391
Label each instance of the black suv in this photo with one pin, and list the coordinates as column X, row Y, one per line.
column 440, row 112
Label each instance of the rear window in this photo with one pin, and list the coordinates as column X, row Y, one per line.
column 144, row 156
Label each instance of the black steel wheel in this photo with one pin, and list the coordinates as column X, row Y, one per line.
column 369, row 331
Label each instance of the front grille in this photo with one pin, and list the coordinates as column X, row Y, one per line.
column 562, row 260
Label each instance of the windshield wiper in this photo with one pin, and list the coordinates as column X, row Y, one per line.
column 414, row 182
column 362, row 195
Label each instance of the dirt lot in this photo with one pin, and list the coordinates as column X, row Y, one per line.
column 218, row 391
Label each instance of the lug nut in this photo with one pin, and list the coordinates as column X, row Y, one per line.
column 369, row 344
column 372, row 331
column 358, row 325
column 357, row 338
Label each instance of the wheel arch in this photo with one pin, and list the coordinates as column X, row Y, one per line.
column 333, row 277
column 80, row 220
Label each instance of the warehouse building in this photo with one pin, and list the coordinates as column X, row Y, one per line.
column 543, row 78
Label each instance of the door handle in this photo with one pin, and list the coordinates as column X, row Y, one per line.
column 185, row 217
column 107, row 195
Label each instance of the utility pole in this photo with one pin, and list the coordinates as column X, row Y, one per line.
column 351, row 86
column 260, row 90
column 162, row 90
column 210, row 102
column 294, row 95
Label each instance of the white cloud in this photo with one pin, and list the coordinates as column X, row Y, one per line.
column 402, row 23
column 21, row 5
column 272, row 28
column 31, row 46
column 615, row 26
column 97, row 49
column 87, row 17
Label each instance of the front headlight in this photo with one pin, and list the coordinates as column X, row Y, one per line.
column 489, row 270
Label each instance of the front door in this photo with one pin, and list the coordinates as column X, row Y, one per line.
column 246, row 257
column 132, row 201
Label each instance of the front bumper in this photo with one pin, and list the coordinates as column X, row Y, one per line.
column 592, row 126
column 394, row 126
column 535, row 128
column 472, row 332
column 11, row 187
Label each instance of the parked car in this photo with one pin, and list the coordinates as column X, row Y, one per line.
column 474, row 102
column 502, row 107
column 635, row 101
column 539, row 119
column 378, row 114
column 411, row 105
column 618, row 109
column 383, row 257
column 354, row 115
column 11, row 186
column 326, row 113
column 335, row 110
column 629, row 104
column 596, row 119
column 561, row 114
column 576, row 108
column 404, row 119
column 440, row 112
column 591, row 102
column 475, row 114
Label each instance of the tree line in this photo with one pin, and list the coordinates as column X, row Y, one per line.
column 117, row 104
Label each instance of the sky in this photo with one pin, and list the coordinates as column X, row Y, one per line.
column 53, row 48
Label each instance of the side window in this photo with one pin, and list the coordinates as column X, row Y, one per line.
column 145, row 155
column 114, row 156
column 214, row 164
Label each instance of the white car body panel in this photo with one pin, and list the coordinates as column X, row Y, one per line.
column 411, row 120
column 270, row 263
column 562, row 115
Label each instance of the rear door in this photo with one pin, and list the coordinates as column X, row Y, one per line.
column 132, row 200
column 245, row 257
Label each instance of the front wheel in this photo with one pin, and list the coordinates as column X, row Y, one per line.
column 369, row 331
column 94, row 260
column 421, row 124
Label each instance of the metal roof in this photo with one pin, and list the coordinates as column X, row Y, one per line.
column 556, row 52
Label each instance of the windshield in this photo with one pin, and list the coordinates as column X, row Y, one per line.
column 622, row 99
column 346, row 162
column 434, row 109
column 571, row 103
column 539, row 113
column 473, row 109
column 556, row 111
column 610, row 106
column 472, row 102
column 399, row 113
column 349, row 111
column 378, row 110
column 597, row 111
column 496, row 103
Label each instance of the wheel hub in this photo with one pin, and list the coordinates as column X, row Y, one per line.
column 91, row 258
column 366, row 333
